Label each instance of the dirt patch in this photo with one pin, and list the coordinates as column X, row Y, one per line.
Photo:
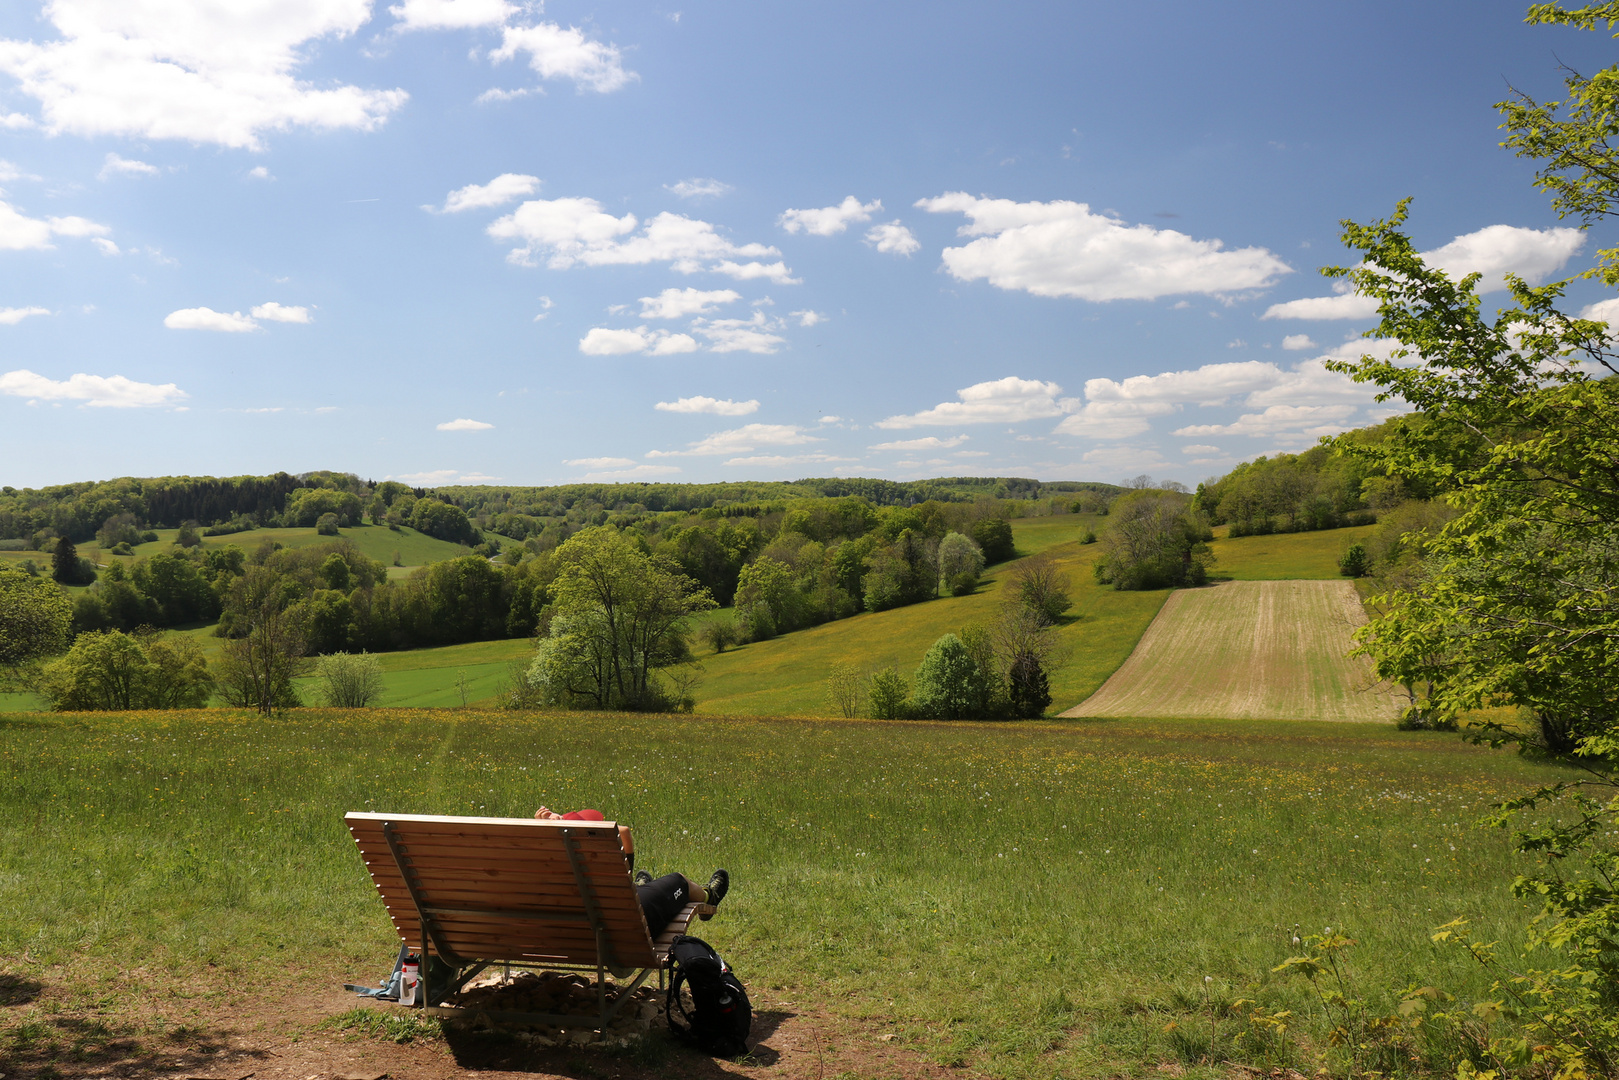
column 233, row 1032
column 1249, row 650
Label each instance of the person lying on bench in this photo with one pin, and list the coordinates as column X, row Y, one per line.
column 661, row 898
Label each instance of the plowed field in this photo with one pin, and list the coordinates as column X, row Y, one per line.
column 1249, row 650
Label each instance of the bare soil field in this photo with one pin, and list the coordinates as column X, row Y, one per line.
column 1249, row 650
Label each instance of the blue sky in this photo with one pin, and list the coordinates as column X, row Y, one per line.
column 462, row 241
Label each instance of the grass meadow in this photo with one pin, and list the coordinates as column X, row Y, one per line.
column 1283, row 556
column 787, row 675
column 1026, row 900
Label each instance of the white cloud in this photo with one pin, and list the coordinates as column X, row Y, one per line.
column 1295, row 342
column 808, row 318
column 678, row 303
column 18, row 232
column 259, row 172
column 1305, row 420
column 931, row 442
column 755, row 335
column 114, row 391
column 600, row 462
column 971, row 453
column 120, row 166
column 829, row 220
column 11, row 316
column 495, row 93
column 578, row 230
column 831, row 419
column 201, row 318
column 1210, row 384
column 275, row 312
column 638, row 472
column 1602, row 311
column 717, row 406
column 601, row 341
column 1344, row 305
column 892, row 238
column 1493, row 251
column 1062, row 249
column 464, row 424
column 204, row 72
column 1113, row 419
column 499, row 191
column 451, row 14
column 1009, row 401
column 699, row 188
column 10, row 172
column 776, row 461
column 444, row 478
column 105, row 246
column 16, row 121
column 750, row 271
column 742, row 440
column 556, row 52
column 1123, row 457
column 1201, row 449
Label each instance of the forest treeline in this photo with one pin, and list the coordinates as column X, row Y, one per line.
column 228, row 504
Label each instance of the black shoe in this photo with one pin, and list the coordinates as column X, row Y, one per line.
column 717, row 887
column 643, row 878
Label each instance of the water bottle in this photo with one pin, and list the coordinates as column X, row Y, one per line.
column 412, row 972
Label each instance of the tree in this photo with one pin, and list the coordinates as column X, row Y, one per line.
column 257, row 670
column 1040, row 588
column 844, row 689
column 949, row 682
column 349, row 681
column 1154, row 540
column 66, row 566
column 1353, row 562
column 619, row 618
column 326, row 525
column 188, row 536
column 720, row 635
column 994, row 538
column 1027, row 650
column 961, row 560
column 889, row 694
column 35, row 616
column 114, row 670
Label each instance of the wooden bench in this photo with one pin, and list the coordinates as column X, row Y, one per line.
column 520, row 892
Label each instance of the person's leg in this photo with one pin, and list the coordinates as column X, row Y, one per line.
column 664, row 898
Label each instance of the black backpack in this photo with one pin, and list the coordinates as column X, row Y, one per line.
column 720, row 1016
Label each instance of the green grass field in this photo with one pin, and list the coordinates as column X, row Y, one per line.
column 1284, row 556
column 787, row 675
column 1025, row 900
column 379, row 542
column 1249, row 650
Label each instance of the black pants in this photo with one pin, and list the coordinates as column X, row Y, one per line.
column 661, row 900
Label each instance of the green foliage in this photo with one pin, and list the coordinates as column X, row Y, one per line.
column 889, row 693
column 326, row 525
column 1154, row 540
column 620, row 617
column 67, row 568
column 720, row 634
column 949, row 683
column 1028, row 687
column 188, row 536
column 349, row 681
column 443, row 521
column 845, row 689
column 960, row 562
column 307, row 506
column 1287, row 493
column 257, row 669
column 1353, row 562
column 113, row 670
column 994, row 538
column 34, row 618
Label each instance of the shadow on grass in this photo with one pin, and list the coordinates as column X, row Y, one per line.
column 47, row 1047
column 16, row 990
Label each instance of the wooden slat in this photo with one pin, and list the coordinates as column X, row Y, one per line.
column 508, row 863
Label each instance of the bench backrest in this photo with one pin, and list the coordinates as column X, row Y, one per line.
column 510, row 889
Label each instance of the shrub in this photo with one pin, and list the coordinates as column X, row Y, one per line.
column 349, row 680
column 720, row 635
column 1038, row 586
column 888, row 694
column 188, row 536
column 844, row 689
column 994, row 537
column 961, row 560
column 114, row 670
column 1354, row 563
column 327, row 525
column 949, row 684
